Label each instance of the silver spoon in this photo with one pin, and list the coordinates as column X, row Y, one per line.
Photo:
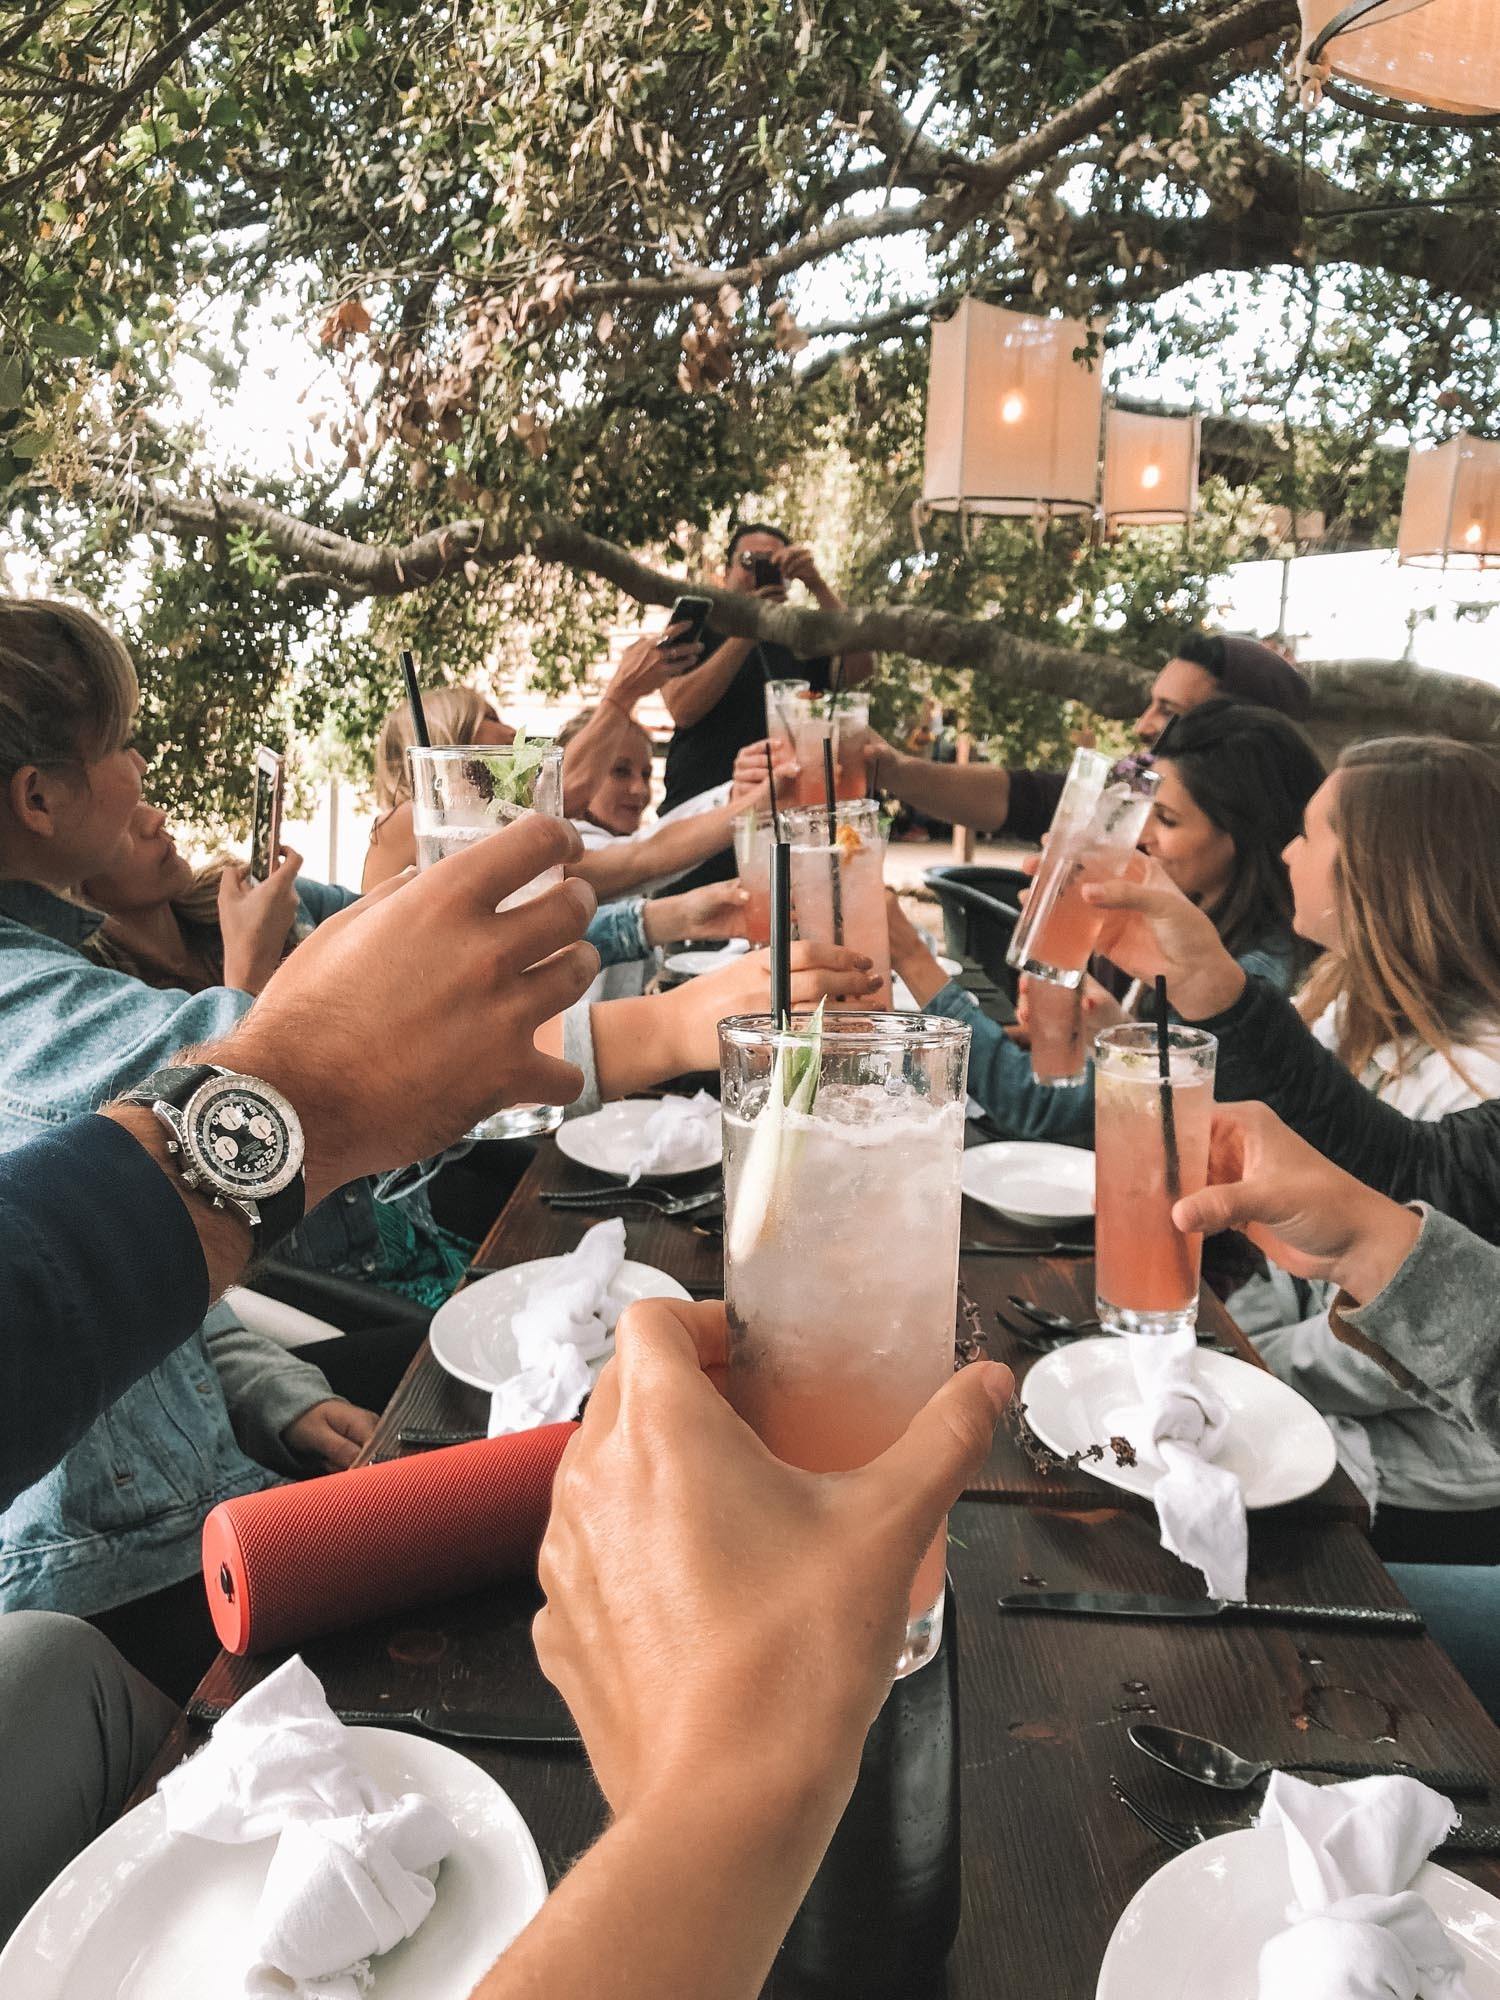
column 1050, row 1322
column 1209, row 1763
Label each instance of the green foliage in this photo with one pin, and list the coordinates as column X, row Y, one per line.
column 485, row 209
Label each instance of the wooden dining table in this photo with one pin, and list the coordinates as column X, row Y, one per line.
column 1050, row 1858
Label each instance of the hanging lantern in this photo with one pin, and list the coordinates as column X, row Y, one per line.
column 1150, row 469
column 1441, row 53
column 1450, row 510
column 1012, row 417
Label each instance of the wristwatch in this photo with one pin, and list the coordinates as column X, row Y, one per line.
column 236, row 1140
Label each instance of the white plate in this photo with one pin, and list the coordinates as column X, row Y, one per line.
column 1031, row 1182
column 609, row 1139
column 471, row 1335
column 688, row 964
column 1195, row 1930
column 1278, row 1447
column 139, row 1917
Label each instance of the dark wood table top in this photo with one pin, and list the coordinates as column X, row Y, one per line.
column 1049, row 1857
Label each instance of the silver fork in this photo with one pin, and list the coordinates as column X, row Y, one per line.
column 1181, row 1834
column 661, row 1199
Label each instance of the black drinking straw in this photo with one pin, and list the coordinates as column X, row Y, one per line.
column 833, row 845
column 1168, row 1109
column 781, row 913
column 414, row 696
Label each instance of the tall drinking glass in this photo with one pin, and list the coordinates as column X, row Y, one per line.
column 841, row 1184
column 1099, row 819
column 462, row 793
column 838, row 884
column 753, row 838
column 851, row 718
column 812, row 727
column 783, row 700
column 1145, row 1270
column 1054, row 1019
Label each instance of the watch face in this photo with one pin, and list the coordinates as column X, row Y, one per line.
column 244, row 1140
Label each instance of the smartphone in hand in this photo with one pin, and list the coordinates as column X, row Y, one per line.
column 265, row 818
column 694, row 612
column 767, row 573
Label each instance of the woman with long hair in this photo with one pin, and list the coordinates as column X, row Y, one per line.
column 1396, row 874
column 452, row 715
column 1234, row 782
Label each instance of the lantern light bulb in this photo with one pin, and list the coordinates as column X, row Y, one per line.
column 1013, row 408
column 1151, row 476
column 1473, row 534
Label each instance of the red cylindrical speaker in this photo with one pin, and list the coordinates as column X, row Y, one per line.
column 295, row 1561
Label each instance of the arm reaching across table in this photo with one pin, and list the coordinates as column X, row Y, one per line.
column 107, row 1261
column 722, row 1627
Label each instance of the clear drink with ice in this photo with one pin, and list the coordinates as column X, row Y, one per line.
column 843, row 1148
column 462, row 793
column 1145, row 1270
column 838, row 885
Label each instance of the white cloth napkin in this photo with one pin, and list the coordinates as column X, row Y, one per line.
column 680, row 1128
column 1180, row 1425
column 353, row 1871
column 564, row 1325
column 1358, row 1931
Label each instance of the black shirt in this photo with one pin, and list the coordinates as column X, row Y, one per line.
column 701, row 754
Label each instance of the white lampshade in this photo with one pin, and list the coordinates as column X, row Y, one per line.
column 1150, row 469
column 1450, row 510
column 1012, row 417
column 1441, row 53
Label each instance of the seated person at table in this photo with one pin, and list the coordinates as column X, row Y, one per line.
column 107, row 1262
column 1205, row 667
column 464, row 715
column 1398, row 876
column 1413, row 1294
column 1234, row 782
column 720, row 705
column 656, row 857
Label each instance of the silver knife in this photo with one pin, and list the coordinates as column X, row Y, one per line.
column 1117, row 1604
column 475, row 1725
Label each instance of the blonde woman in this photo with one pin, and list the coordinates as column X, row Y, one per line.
column 453, row 715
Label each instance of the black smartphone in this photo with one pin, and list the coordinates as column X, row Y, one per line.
column 767, row 572
column 265, row 818
column 694, row 612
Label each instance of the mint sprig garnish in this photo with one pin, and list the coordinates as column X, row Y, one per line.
column 512, row 773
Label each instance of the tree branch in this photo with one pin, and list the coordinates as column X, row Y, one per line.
column 1367, row 696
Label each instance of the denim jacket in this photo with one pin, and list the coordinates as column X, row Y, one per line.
column 121, row 1515
column 1000, row 1070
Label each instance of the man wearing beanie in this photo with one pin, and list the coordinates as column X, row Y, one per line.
column 1203, row 665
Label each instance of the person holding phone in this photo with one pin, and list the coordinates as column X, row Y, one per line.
column 720, row 706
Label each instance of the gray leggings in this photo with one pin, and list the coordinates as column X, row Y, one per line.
column 78, row 1729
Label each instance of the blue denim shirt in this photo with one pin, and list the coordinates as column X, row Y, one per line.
column 1000, row 1071
column 122, row 1513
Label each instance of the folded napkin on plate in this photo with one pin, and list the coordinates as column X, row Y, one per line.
column 354, row 1868
column 680, row 1128
column 1180, row 1424
column 1358, row 1931
column 564, row 1325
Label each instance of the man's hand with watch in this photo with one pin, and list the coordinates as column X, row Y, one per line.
column 428, row 971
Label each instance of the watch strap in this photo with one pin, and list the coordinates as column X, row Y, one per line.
column 173, row 1084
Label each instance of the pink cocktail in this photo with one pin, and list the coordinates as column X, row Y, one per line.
column 1099, row 819
column 842, row 1207
column 1054, row 1021
column 1150, row 1148
column 753, row 834
column 838, row 886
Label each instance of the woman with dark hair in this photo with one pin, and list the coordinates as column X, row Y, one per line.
column 1235, row 780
